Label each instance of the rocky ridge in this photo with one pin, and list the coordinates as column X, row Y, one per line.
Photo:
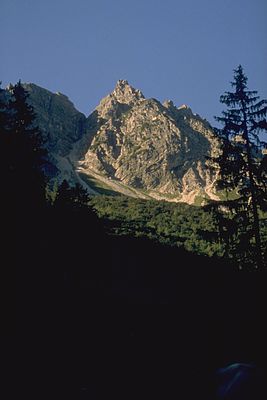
column 157, row 149
column 61, row 125
column 131, row 144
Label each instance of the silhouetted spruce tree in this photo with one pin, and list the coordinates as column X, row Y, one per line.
column 71, row 197
column 242, row 170
column 81, row 197
column 7, row 219
column 22, row 200
column 25, row 155
column 63, row 196
column 4, row 130
column 3, row 112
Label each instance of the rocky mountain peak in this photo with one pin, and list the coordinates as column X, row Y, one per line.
column 123, row 96
column 156, row 150
column 133, row 145
column 125, row 93
column 168, row 104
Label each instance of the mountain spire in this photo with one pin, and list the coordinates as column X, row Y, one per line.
column 125, row 93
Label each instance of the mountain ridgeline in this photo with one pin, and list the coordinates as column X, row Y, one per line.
column 128, row 144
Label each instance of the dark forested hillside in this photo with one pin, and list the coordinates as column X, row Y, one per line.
column 131, row 316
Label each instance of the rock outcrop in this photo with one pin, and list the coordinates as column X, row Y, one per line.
column 61, row 125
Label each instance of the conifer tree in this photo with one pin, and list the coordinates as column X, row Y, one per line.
column 81, row 196
column 242, row 167
column 3, row 112
column 71, row 197
column 64, row 198
column 22, row 201
column 4, row 119
column 25, row 155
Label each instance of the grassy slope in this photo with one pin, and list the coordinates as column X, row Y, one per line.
column 98, row 186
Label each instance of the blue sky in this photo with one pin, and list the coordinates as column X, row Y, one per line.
column 180, row 50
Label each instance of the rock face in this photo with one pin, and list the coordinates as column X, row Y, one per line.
column 61, row 124
column 57, row 117
column 155, row 148
column 134, row 145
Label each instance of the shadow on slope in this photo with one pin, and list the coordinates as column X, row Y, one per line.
column 127, row 317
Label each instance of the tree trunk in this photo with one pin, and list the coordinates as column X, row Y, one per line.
column 256, row 222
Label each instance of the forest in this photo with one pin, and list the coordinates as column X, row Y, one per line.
column 193, row 228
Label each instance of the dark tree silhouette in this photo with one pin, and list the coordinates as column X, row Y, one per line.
column 71, row 197
column 23, row 153
column 3, row 112
column 4, row 140
column 63, row 197
column 242, row 167
column 22, row 200
column 33, row 157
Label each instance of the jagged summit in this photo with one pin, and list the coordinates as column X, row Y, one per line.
column 125, row 93
column 122, row 83
column 156, row 150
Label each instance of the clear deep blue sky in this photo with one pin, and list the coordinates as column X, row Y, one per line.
column 170, row 49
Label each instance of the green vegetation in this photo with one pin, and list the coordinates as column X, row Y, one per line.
column 196, row 229
column 201, row 200
column 225, row 195
column 174, row 224
column 98, row 186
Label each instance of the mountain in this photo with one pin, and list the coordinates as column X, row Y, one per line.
column 129, row 144
column 61, row 125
